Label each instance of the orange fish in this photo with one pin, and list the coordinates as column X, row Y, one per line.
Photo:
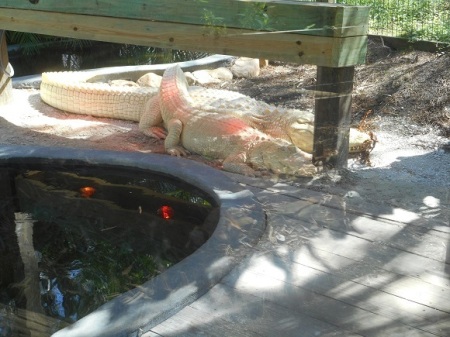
column 87, row 191
column 166, row 212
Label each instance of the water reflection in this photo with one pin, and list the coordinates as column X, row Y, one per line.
column 63, row 254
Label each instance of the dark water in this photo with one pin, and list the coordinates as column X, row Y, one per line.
column 72, row 239
column 58, row 57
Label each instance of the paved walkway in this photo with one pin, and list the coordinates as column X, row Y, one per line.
column 331, row 266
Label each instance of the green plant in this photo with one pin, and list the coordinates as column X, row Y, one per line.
column 32, row 44
column 255, row 17
column 414, row 20
column 213, row 24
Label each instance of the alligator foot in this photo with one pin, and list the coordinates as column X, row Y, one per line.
column 155, row 132
column 237, row 164
column 178, row 151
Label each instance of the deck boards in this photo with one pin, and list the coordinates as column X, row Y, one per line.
column 342, row 268
column 249, row 314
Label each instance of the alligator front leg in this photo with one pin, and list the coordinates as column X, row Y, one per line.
column 172, row 142
column 237, row 163
column 151, row 120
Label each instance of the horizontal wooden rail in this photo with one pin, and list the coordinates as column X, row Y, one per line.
column 302, row 32
column 312, row 18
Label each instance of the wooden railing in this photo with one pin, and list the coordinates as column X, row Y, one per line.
column 331, row 36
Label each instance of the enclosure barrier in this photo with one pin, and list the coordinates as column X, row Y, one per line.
column 5, row 72
column 331, row 36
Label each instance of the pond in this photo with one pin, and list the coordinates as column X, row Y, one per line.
column 89, row 235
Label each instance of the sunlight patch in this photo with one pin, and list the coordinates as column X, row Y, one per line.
column 260, row 280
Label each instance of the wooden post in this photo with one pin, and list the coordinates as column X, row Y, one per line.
column 5, row 80
column 333, row 114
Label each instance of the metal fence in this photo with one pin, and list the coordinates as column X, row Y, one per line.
column 427, row 20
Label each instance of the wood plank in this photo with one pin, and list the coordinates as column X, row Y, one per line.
column 283, row 46
column 374, row 253
column 252, row 311
column 190, row 322
column 346, row 304
column 365, row 273
column 417, row 240
column 377, row 209
column 288, row 203
column 310, row 18
column 349, row 280
column 5, row 80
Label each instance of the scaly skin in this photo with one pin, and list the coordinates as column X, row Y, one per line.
column 73, row 92
column 293, row 125
column 242, row 148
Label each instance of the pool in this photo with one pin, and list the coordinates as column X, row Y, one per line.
column 195, row 221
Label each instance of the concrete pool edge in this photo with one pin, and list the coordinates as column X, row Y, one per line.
column 241, row 224
column 132, row 72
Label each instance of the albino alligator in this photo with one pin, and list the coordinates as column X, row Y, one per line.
column 72, row 91
column 295, row 126
column 220, row 136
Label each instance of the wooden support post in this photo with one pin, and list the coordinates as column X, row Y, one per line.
column 333, row 115
column 5, row 80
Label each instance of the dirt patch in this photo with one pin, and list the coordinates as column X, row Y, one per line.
column 414, row 85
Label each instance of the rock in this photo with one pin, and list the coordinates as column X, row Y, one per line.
column 123, row 83
column 245, row 67
column 150, row 80
column 204, row 77
column 222, row 73
column 208, row 76
column 190, row 78
column 263, row 63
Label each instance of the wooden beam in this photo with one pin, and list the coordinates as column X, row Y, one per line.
column 266, row 15
column 288, row 47
column 333, row 114
column 5, row 80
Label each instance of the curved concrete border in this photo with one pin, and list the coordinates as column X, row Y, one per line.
column 132, row 72
column 241, row 224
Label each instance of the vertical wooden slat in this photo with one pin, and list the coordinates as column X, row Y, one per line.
column 333, row 114
column 5, row 80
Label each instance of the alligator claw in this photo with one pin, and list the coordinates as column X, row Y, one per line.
column 177, row 151
column 156, row 132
